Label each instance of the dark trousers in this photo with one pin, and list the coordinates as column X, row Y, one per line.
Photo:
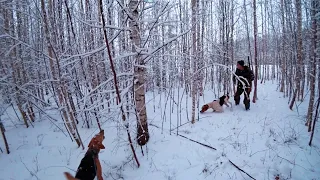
column 246, row 100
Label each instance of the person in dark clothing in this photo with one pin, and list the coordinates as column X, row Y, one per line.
column 246, row 77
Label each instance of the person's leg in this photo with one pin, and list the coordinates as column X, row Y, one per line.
column 237, row 95
column 246, row 100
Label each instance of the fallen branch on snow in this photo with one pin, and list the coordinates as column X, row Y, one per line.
column 205, row 145
column 241, row 169
column 198, row 142
column 216, row 149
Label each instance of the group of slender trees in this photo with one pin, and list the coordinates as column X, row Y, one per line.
column 95, row 58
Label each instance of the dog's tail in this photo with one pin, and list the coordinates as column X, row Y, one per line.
column 69, row 176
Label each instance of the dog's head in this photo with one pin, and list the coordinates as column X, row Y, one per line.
column 224, row 98
column 96, row 141
column 204, row 108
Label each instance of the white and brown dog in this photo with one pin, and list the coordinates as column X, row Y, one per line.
column 216, row 105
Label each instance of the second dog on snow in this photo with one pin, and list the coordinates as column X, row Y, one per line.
column 216, row 105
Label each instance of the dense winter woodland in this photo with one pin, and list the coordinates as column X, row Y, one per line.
column 141, row 70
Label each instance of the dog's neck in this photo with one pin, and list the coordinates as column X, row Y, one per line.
column 94, row 151
column 221, row 102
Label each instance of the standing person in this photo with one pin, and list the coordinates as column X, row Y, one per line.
column 246, row 75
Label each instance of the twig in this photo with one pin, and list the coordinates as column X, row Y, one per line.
column 216, row 149
column 15, row 112
column 51, row 118
column 180, row 125
column 31, row 173
column 241, row 169
column 293, row 163
column 205, row 145
column 150, row 124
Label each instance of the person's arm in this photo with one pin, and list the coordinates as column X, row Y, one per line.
column 250, row 78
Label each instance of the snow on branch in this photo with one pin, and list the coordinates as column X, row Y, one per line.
column 100, row 26
column 152, row 51
column 125, row 55
column 83, row 55
column 125, row 10
column 84, row 99
column 25, row 91
column 12, row 48
column 162, row 11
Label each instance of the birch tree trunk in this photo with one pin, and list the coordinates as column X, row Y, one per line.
column 247, row 28
column 255, row 31
column 299, row 64
column 313, row 63
column 314, row 121
column 282, row 54
column 139, row 75
column 194, row 59
column 316, row 19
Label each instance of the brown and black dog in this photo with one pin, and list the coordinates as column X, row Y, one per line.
column 216, row 105
column 90, row 166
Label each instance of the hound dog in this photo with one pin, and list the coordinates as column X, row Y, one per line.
column 90, row 166
column 216, row 105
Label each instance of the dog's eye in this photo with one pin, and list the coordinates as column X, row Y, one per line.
column 103, row 137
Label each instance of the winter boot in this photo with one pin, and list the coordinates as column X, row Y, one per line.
column 247, row 104
column 236, row 99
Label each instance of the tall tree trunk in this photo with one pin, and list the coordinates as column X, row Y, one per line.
column 313, row 65
column 299, row 64
column 314, row 121
column 255, row 31
column 283, row 55
column 194, row 59
column 139, row 75
column 247, row 27
column 316, row 8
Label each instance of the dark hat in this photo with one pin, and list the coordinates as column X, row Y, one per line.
column 241, row 63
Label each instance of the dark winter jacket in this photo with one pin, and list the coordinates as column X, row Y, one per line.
column 246, row 73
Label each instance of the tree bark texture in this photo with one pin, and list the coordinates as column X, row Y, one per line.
column 139, row 75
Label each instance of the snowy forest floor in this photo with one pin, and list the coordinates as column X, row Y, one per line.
column 266, row 141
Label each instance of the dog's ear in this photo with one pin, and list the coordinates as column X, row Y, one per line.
column 101, row 146
column 222, row 98
column 91, row 143
column 204, row 108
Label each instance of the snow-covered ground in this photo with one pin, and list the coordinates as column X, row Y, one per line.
column 266, row 141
